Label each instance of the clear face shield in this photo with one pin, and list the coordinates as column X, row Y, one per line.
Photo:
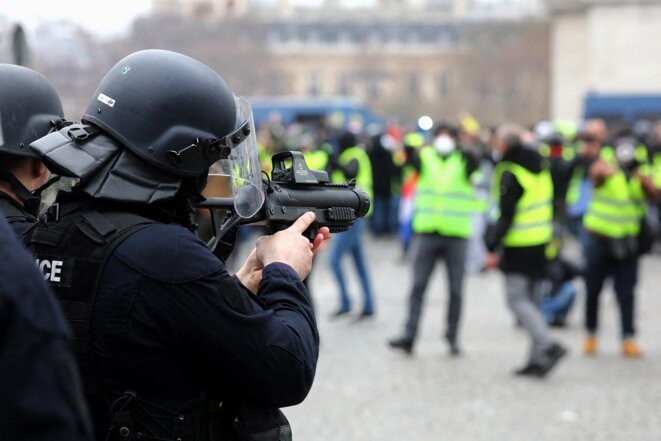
column 239, row 176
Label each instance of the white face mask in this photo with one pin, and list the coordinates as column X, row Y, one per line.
column 444, row 144
column 388, row 142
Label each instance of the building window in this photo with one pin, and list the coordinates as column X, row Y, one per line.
column 314, row 84
column 344, row 84
column 373, row 82
column 414, row 85
column 274, row 83
column 313, row 38
column 443, row 84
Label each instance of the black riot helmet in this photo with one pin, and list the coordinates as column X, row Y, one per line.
column 29, row 108
column 170, row 110
column 157, row 125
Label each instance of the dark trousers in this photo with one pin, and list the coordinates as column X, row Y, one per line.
column 384, row 218
column 600, row 265
column 428, row 249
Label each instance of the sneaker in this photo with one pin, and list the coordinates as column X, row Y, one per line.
column 403, row 344
column 339, row 313
column 364, row 316
column 590, row 345
column 454, row 347
column 631, row 349
column 530, row 370
column 553, row 355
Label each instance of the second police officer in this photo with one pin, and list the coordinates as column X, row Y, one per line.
column 40, row 392
column 29, row 109
column 171, row 345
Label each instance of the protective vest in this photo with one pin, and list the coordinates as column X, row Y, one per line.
column 445, row 199
column 316, row 159
column 574, row 186
column 364, row 178
column 617, row 205
column 409, row 174
column 72, row 246
column 532, row 223
column 656, row 170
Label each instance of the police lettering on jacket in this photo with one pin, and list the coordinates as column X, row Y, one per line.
column 51, row 268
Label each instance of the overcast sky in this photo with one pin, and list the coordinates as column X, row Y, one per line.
column 102, row 17
column 106, row 17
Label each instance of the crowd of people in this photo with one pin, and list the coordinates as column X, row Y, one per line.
column 510, row 197
column 141, row 332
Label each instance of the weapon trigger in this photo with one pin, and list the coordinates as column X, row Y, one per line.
column 311, row 231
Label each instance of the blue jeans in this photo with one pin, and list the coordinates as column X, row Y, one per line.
column 384, row 216
column 350, row 241
column 559, row 303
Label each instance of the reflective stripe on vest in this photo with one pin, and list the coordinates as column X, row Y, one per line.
column 445, row 199
column 532, row 223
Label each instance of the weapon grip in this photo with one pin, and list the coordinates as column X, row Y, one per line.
column 311, row 231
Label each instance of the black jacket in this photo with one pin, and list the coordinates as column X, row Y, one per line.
column 171, row 324
column 40, row 394
column 20, row 220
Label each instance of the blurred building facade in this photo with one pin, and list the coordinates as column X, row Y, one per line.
column 603, row 46
column 454, row 8
column 401, row 57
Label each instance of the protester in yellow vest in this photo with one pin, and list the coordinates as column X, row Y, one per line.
column 522, row 230
column 442, row 223
column 613, row 221
column 351, row 162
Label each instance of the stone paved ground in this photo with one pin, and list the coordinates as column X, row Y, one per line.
column 364, row 391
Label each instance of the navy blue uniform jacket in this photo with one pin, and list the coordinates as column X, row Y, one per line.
column 171, row 322
column 40, row 393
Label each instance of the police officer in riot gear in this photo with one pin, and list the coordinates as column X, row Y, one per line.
column 29, row 109
column 171, row 345
column 40, row 391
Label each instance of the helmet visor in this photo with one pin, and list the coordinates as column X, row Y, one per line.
column 240, row 174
